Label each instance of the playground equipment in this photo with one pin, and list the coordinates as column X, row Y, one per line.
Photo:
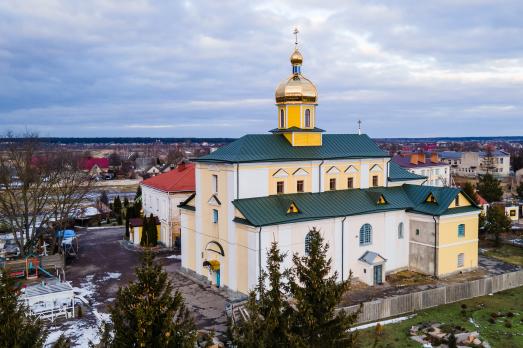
column 31, row 267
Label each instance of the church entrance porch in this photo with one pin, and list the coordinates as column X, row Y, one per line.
column 214, row 258
column 214, row 271
column 372, row 268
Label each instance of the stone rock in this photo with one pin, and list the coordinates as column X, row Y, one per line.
column 461, row 337
column 476, row 341
column 486, row 344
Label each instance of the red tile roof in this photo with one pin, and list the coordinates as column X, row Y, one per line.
column 481, row 200
column 180, row 179
column 88, row 163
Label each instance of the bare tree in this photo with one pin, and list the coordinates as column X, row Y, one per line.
column 39, row 189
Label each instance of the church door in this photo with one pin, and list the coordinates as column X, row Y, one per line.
column 378, row 275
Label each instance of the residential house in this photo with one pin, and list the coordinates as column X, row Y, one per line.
column 95, row 166
column 472, row 164
column 428, row 165
column 161, row 196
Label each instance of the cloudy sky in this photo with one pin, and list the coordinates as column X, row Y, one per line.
column 210, row 68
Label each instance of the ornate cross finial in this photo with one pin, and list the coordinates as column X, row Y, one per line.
column 359, row 127
column 296, row 32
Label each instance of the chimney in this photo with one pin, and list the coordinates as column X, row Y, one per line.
column 414, row 158
column 421, row 157
column 434, row 158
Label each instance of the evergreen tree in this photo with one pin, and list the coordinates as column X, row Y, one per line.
column 17, row 328
column 117, row 209
column 144, row 241
column 127, row 227
column 268, row 324
column 470, row 191
column 126, row 203
column 138, row 193
column 153, row 231
column 497, row 222
column 316, row 293
column 489, row 188
column 519, row 190
column 104, row 198
column 146, row 313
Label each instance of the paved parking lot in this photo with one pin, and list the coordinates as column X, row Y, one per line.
column 103, row 265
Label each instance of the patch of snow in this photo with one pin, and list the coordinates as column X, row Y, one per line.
column 83, row 330
column 111, row 275
column 176, row 257
column 383, row 322
column 79, row 331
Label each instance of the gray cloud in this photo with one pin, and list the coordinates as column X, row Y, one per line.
column 209, row 68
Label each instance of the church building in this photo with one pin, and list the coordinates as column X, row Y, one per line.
column 377, row 217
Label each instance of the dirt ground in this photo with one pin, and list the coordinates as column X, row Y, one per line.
column 406, row 282
column 104, row 264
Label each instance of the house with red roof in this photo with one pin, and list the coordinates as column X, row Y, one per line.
column 161, row 196
column 94, row 165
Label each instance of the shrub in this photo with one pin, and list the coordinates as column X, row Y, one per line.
column 491, row 320
column 510, row 314
column 508, row 324
column 494, row 315
column 463, row 306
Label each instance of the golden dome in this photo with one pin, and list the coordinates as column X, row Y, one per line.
column 296, row 88
column 296, row 57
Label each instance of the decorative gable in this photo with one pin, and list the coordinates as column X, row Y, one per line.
column 351, row 170
column 376, row 168
column 333, row 170
column 280, row 173
column 300, row 172
column 293, row 209
column 431, row 198
column 377, row 197
column 214, row 201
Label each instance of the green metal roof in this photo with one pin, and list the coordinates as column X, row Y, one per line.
column 398, row 173
column 275, row 148
column 272, row 210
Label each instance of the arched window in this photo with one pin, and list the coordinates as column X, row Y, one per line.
column 366, row 234
column 400, row 230
column 307, row 118
column 308, row 237
column 282, row 119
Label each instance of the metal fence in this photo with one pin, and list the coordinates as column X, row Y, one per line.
column 415, row 301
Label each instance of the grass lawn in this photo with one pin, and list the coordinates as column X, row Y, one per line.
column 507, row 253
column 477, row 311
